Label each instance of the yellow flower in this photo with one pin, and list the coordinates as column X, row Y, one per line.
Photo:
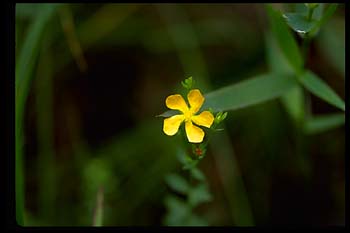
column 176, row 102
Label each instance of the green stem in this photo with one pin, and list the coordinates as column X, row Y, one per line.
column 309, row 16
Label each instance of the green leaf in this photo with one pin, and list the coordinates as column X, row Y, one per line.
column 293, row 99
column 285, row 39
column 318, row 124
column 197, row 174
column 299, row 23
column 177, row 183
column 325, row 17
column 24, row 68
column 187, row 83
column 319, row 88
column 277, row 62
column 249, row 92
column 199, row 194
column 178, row 210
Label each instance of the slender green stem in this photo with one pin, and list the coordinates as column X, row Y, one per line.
column 309, row 16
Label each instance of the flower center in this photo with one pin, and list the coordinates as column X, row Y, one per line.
column 188, row 115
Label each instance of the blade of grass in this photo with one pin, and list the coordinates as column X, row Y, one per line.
column 321, row 89
column 249, row 92
column 325, row 17
column 44, row 110
column 285, row 39
column 24, row 69
column 293, row 99
column 319, row 124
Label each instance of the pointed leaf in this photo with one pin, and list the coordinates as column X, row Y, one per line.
column 321, row 89
column 318, row 124
column 285, row 39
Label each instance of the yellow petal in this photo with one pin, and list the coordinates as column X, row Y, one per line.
column 176, row 102
column 204, row 119
column 194, row 133
column 171, row 125
column 196, row 99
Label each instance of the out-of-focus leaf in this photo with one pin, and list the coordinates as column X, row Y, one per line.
column 318, row 124
column 178, row 210
column 197, row 174
column 294, row 103
column 177, row 183
column 321, row 89
column 276, row 61
column 24, row 68
column 299, row 23
column 285, row 39
column 199, row 194
column 293, row 99
column 325, row 17
column 31, row 45
column 249, row 92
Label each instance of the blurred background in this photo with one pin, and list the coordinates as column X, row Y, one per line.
column 102, row 74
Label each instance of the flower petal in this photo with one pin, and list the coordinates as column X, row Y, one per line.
column 196, row 99
column 171, row 125
column 204, row 119
column 194, row 133
column 176, row 102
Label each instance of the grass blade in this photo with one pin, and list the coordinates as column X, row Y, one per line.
column 249, row 92
column 24, row 69
column 285, row 39
column 318, row 124
column 321, row 89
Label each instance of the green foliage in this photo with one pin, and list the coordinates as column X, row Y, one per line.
column 299, row 22
column 197, row 174
column 285, row 39
column 220, row 116
column 319, row 88
column 188, row 83
column 293, row 99
column 178, row 211
column 249, row 92
column 321, row 123
column 325, row 17
column 199, row 194
column 177, row 183
column 24, row 68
